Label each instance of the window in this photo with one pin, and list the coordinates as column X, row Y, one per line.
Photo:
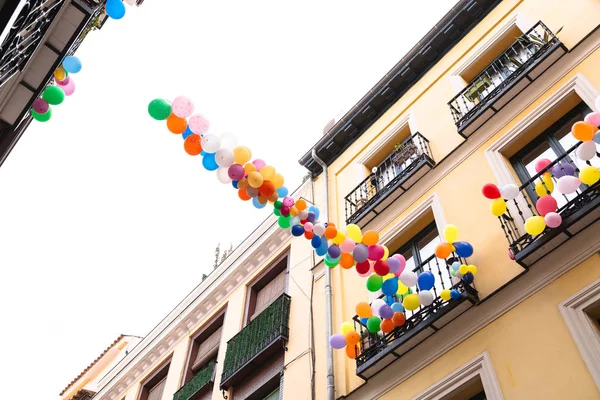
column 268, row 288
column 205, row 347
column 154, row 386
column 273, row 396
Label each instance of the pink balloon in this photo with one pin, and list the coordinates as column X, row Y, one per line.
column 568, row 184
column 198, row 124
column 541, row 164
column 369, row 272
column 348, row 245
column 308, row 227
column 182, row 107
column 553, row 220
column 236, row 172
column 64, row 82
column 288, row 201
column 259, row 164
column 402, row 260
column 546, row 204
column 40, row 106
column 69, row 88
column 376, row 252
column 593, row 118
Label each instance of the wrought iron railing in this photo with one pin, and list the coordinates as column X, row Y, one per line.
column 504, row 70
column 268, row 327
column 372, row 344
column 523, row 206
column 201, row 380
column 398, row 166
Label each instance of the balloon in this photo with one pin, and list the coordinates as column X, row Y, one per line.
column 319, row 229
column 244, row 196
column 545, row 185
column 491, row 191
column 255, row 180
column 472, row 269
column 589, row 175
column 255, row 201
column 535, row 225
column 53, row 95
column 60, row 73
column 394, row 264
column 191, row 145
column 541, row 164
column 284, row 222
column 40, row 106
column 553, row 220
column 498, row 207
column 443, row 250
column 583, row 131
column 352, row 352
column 597, row 138
column 586, row 151
column 370, row 238
column 568, row 184
column 300, row 204
column 314, row 210
column 337, row 341
column 509, row 191
column 402, row 260
column 297, row 230
column 72, row 64
column 445, row 294
column 390, row 286
column 593, row 119
column 241, row 155
column 382, row 268
column 353, row 232
column 376, row 252
column 293, row 220
column 426, row 280
column 347, row 245
column 339, row 238
column 277, row 180
column 42, row 117
column 463, row 269
column 364, row 268
column 64, row 82
column 455, row 294
column 346, row 261
column 224, row 158
column 426, row 297
column 308, row 227
column 387, row 325
column 376, row 305
column 115, row 9
column 267, row 188
column 199, row 124
column 347, row 327
column 385, row 311
column 546, row 204
column 363, row 310
column 211, row 143
column 386, row 253
column 360, row 253
column 399, row 318
column 411, row 302
column 208, row 162
column 451, row 233
column 561, row 169
column 236, row 172
column 253, row 192
column 268, row 172
column 334, row 251
column 374, row 283
column 177, row 125
column 408, row 278
column 282, row 191
column 183, row 107
column 69, row 88
column 374, row 324
column 243, row 183
column 455, row 265
column 316, row 242
column 463, row 249
column 352, row 337
column 468, row 278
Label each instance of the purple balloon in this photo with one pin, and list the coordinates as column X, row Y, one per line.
column 334, row 251
column 311, row 216
column 360, row 253
column 394, row 264
column 236, row 172
column 41, row 106
column 562, row 169
column 337, row 341
column 386, row 311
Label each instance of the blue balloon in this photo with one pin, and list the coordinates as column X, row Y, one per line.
column 385, row 311
column 455, row 294
column 316, row 242
column 334, row 251
column 468, row 278
column 115, row 9
column 426, row 280
column 390, row 287
column 311, row 217
column 364, row 320
column 187, row 133
column 297, row 230
column 282, row 192
column 234, row 184
column 397, row 307
column 257, row 204
column 389, row 300
column 315, row 210
column 209, row 162
column 202, row 153
column 463, row 249
column 322, row 250
column 71, row 64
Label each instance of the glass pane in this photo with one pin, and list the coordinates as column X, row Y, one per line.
column 428, row 244
column 543, row 150
column 273, row 396
column 568, row 141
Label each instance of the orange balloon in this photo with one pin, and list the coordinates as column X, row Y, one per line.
column 262, row 199
column 176, row 125
column 192, row 145
column 243, row 184
column 294, row 211
column 583, row 131
column 370, row 238
column 267, row 188
column 346, row 261
column 249, row 168
column 274, row 197
column 387, row 325
column 443, row 250
column 352, row 351
column 300, row 204
column 363, row 310
column 277, row 180
column 398, row 318
column 309, row 235
column 241, row 155
column 352, row 338
column 330, row 232
column 243, row 195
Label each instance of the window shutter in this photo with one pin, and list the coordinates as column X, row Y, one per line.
column 207, row 349
column 157, row 391
column 269, row 293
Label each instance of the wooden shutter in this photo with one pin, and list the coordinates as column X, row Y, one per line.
column 269, row 293
column 207, row 349
column 157, row 391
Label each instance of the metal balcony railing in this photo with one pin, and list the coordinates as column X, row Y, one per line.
column 502, row 72
column 267, row 329
column 372, row 344
column 202, row 379
column 411, row 154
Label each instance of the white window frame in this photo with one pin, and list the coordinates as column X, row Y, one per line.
column 481, row 366
column 581, row 327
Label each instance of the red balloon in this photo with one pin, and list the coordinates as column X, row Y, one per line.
column 541, row 164
column 491, row 191
column 546, row 204
column 382, row 268
column 363, row 267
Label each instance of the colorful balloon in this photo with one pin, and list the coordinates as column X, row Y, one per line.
column 451, row 233
column 370, row 238
column 545, row 185
column 177, row 125
column 589, row 175
column 426, row 280
column 374, row 324
column 535, row 225
column 337, row 341
column 363, row 310
column 211, row 143
column 159, row 109
column 568, row 184
column 583, row 131
column 541, row 164
column 72, row 64
column 553, row 220
column 561, row 169
column 115, row 9
column 192, row 146
column 411, row 302
column 199, row 124
column 374, row 283
column 491, row 191
column 53, row 95
column 498, row 207
column 586, row 151
column 546, row 204
column 509, row 191
column 463, row 249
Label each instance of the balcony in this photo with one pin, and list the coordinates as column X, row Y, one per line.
column 578, row 211
column 256, row 342
column 198, row 385
column 396, row 174
column 380, row 350
column 508, row 75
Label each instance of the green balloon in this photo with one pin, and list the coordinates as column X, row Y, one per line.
column 53, row 95
column 41, row 117
column 284, row 222
column 159, row 109
column 373, row 324
column 374, row 283
column 276, row 212
column 330, row 263
column 278, row 204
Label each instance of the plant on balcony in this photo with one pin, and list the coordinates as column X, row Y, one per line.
column 477, row 89
column 201, row 379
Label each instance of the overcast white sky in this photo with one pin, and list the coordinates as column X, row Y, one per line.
column 106, row 223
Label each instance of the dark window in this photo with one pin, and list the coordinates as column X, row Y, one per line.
column 479, row 396
column 268, row 288
column 205, row 346
column 421, row 247
column 154, row 386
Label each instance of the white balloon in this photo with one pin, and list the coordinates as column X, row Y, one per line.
column 598, row 103
column 426, row 297
column 210, row 143
column 303, row 214
column 568, row 184
column 586, row 150
column 459, row 275
column 223, row 175
column 224, row 158
column 376, row 305
column 319, row 229
column 408, row 278
column 509, row 191
column 228, row 141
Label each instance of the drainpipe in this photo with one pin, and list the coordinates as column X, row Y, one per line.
column 328, row 310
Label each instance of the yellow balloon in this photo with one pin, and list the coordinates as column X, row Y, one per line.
column 255, row 179
column 411, row 302
column 589, row 175
column 354, row 233
column 463, row 269
column 277, row 180
column 60, row 74
column 389, row 276
column 386, row 252
column 249, row 168
column 241, row 155
column 339, row 238
column 472, row 269
column 451, row 233
column 347, row 327
column 402, row 290
column 267, row 172
column 542, row 189
column 445, row 294
column 498, row 207
column 535, row 225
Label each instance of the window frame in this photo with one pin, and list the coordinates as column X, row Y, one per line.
column 413, row 243
column 158, row 375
